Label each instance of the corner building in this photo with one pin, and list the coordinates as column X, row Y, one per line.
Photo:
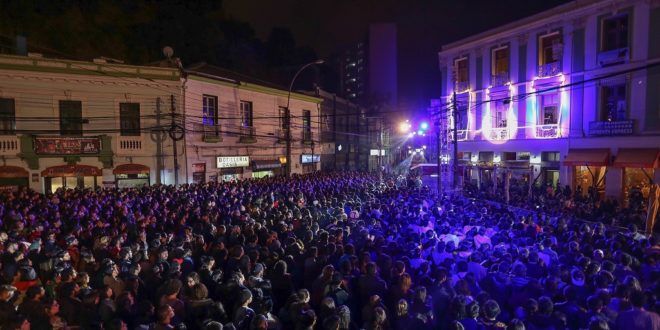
column 568, row 96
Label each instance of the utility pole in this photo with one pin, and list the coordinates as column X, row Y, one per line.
column 174, row 149
column 437, row 156
column 455, row 158
column 157, row 137
column 288, row 140
column 380, row 149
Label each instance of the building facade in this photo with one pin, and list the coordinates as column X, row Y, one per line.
column 369, row 69
column 569, row 96
column 86, row 124
column 236, row 127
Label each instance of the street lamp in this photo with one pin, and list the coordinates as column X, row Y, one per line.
column 288, row 116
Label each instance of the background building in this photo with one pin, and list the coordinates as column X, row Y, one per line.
column 369, row 69
column 236, row 127
column 86, row 124
column 569, row 96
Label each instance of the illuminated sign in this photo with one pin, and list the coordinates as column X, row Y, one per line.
column 237, row 161
column 374, row 152
column 308, row 159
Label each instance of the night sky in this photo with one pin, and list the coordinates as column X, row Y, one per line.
column 423, row 27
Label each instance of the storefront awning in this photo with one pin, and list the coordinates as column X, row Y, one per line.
column 266, row 164
column 639, row 158
column 130, row 169
column 587, row 157
column 13, row 172
column 71, row 170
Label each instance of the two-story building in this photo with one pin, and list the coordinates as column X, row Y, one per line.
column 568, row 96
column 86, row 124
column 236, row 127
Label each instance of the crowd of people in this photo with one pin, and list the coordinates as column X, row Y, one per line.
column 320, row 251
column 562, row 200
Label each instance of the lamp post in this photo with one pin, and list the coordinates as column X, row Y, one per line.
column 288, row 115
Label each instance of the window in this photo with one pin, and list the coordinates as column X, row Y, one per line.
column 129, row 119
column 614, row 33
column 7, row 116
column 550, row 156
column 71, row 118
column 307, row 125
column 550, row 48
column 613, row 103
column 246, row 114
column 523, row 155
column 500, row 65
column 462, row 109
column 501, row 109
column 209, row 110
column 549, row 109
column 462, row 70
column 283, row 118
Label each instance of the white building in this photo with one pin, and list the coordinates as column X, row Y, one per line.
column 236, row 127
column 84, row 124
column 570, row 95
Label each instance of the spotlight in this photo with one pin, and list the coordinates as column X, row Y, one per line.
column 404, row 127
column 424, row 125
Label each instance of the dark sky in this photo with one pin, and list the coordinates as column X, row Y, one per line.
column 423, row 27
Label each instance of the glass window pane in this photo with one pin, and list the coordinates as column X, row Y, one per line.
column 71, row 182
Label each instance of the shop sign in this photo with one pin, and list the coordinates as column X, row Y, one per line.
column 610, row 128
column 308, row 159
column 238, row 161
column 67, row 145
column 374, row 152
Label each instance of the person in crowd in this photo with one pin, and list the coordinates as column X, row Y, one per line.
column 324, row 251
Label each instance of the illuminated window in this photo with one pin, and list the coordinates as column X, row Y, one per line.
column 209, row 110
column 549, row 109
column 501, row 108
column 613, row 103
column 462, row 70
column 550, row 48
column 246, row 114
column 500, row 64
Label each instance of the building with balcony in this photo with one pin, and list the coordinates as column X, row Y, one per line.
column 76, row 124
column 236, row 127
column 568, row 96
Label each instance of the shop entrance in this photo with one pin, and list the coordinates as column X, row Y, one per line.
column 70, row 177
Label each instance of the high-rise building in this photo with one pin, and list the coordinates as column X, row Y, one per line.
column 368, row 69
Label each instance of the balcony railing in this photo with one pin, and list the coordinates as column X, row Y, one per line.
column 9, row 145
column 462, row 134
column 550, row 69
column 130, row 145
column 499, row 79
column 462, row 86
column 547, row 131
column 209, row 133
column 306, row 137
column 614, row 56
column 498, row 133
column 248, row 135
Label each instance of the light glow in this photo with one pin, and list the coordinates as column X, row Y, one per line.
column 499, row 135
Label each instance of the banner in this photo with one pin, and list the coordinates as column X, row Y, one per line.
column 237, row 161
column 67, row 145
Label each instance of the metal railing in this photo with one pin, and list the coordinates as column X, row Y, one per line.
column 209, row 133
column 462, row 86
column 499, row 79
column 547, row 131
column 550, row 69
column 498, row 133
column 614, row 56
